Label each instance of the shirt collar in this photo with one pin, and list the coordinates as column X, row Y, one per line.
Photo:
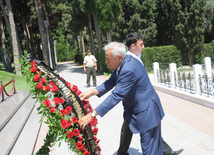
column 138, row 57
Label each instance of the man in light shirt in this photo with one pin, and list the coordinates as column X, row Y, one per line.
column 90, row 67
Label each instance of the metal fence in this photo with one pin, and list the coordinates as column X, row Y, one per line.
column 185, row 81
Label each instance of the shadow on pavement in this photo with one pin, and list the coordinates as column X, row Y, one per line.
column 132, row 151
column 67, row 67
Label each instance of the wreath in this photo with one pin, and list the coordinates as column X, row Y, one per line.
column 57, row 113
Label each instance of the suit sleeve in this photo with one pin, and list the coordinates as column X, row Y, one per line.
column 125, row 82
column 107, row 85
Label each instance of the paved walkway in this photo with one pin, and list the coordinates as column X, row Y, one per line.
column 186, row 125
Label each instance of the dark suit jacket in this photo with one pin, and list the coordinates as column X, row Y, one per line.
column 141, row 103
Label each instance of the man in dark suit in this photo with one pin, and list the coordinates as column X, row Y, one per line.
column 142, row 107
column 126, row 135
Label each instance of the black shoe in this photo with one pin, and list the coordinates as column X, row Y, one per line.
column 95, row 85
column 88, row 86
column 176, row 152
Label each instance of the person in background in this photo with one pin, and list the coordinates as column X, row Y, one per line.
column 133, row 41
column 90, row 67
column 142, row 107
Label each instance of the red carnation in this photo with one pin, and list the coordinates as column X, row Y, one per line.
column 47, row 102
column 62, row 112
column 69, row 134
column 43, row 80
column 54, row 89
column 52, row 109
column 65, row 123
column 74, row 88
column 95, row 130
column 51, row 83
column 33, row 69
column 36, row 77
column 47, row 88
column 80, row 139
column 61, row 100
column 94, row 121
column 39, row 86
column 79, row 146
column 68, row 110
column 79, row 92
column 95, row 138
column 56, row 100
column 85, row 152
column 76, row 132
column 33, row 63
column 75, row 120
column 68, row 84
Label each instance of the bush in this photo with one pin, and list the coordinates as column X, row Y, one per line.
column 164, row 55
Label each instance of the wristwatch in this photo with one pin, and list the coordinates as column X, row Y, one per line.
column 93, row 114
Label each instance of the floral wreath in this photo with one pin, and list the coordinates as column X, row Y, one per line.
column 61, row 120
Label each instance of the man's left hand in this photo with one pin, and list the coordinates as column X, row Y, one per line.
column 85, row 120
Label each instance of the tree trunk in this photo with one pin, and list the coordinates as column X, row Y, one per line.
column 14, row 38
column 108, row 35
column 31, row 46
column 82, row 43
column 5, row 56
column 6, row 19
column 91, row 35
column 190, row 58
column 42, row 30
column 98, row 32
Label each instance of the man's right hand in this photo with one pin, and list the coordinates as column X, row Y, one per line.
column 88, row 94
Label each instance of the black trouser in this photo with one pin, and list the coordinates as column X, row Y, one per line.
column 126, row 137
column 89, row 72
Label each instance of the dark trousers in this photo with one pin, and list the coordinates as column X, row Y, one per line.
column 91, row 72
column 126, row 137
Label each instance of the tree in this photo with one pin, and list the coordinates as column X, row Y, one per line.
column 190, row 29
column 107, row 13
column 16, row 55
column 166, row 21
column 137, row 16
column 209, row 21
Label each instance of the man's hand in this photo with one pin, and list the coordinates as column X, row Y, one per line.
column 85, row 120
column 88, row 94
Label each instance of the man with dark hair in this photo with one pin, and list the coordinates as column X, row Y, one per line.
column 132, row 42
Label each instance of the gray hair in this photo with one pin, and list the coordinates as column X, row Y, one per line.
column 117, row 48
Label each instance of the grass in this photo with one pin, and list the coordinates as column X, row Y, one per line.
column 20, row 82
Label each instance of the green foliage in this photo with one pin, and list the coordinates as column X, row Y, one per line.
column 164, row 55
column 166, row 21
column 208, row 51
column 101, row 61
column 190, row 28
column 64, row 51
column 209, row 21
column 107, row 12
column 137, row 16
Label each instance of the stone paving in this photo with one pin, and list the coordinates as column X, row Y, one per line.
column 186, row 125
